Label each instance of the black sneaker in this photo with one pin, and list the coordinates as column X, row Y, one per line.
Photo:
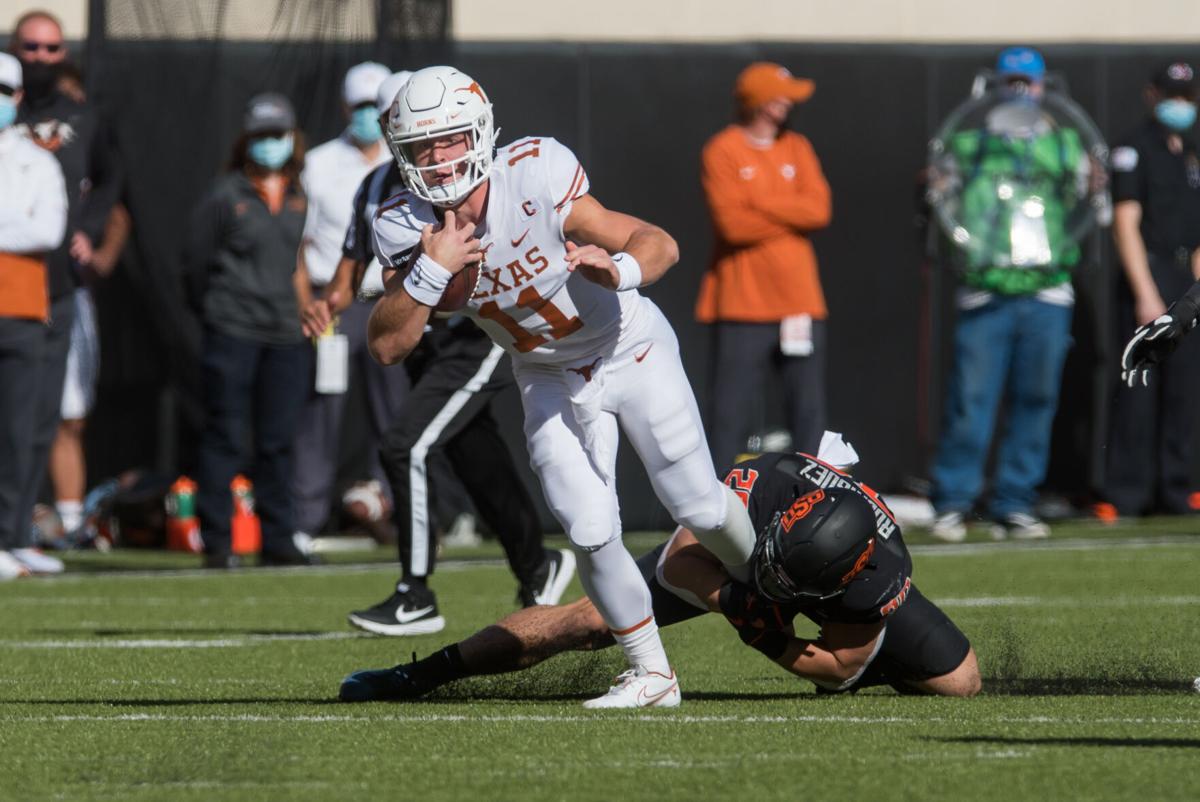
column 381, row 685
column 551, row 580
column 409, row 611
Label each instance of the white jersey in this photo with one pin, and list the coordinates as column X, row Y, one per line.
column 526, row 299
column 332, row 173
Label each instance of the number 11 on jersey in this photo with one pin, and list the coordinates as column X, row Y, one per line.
column 525, row 341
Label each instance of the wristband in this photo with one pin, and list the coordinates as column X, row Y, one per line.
column 427, row 280
column 630, row 270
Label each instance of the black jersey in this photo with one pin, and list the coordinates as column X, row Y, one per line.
column 771, row 483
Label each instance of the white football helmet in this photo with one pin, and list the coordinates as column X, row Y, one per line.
column 436, row 102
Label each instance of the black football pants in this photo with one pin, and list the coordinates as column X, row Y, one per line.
column 455, row 376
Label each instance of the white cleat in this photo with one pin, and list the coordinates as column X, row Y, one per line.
column 638, row 687
column 11, row 567
column 37, row 562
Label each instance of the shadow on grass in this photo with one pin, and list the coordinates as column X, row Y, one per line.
column 207, row 702
column 1153, row 743
column 125, row 632
column 1083, row 686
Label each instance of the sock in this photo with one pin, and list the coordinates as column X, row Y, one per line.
column 417, row 582
column 440, row 667
column 643, row 646
column 70, row 513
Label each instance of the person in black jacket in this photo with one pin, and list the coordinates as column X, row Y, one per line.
column 1156, row 206
column 73, row 131
column 241, row 266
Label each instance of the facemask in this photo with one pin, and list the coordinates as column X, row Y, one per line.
column 1176, row 114
column 271, row 152
column 39, row 78
column 8, row 111
column 364, row 125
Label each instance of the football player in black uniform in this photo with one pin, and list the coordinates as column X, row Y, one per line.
column 827, row 549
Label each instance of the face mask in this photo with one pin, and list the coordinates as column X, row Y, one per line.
column 364, row 125
column 1176, row 114
column 271, row 152
column 8, row 111
column 39, row 78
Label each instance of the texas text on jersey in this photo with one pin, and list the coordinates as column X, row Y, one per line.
column 526, row 299
column 776, row 483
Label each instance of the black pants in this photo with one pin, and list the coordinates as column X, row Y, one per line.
column 249, row 386
column 743, row 354
column 1150, row 432
column 455, row 374
column 21, row 344
column 48, row 389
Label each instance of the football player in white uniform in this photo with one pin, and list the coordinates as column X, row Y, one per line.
column 555, row 278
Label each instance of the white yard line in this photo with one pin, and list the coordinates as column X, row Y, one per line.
column 939, row 550
column 1051, row 544
column 664, row 717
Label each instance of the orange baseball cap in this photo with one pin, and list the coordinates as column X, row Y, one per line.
column 764, row 81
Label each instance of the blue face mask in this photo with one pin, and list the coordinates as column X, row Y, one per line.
column 271, row 152
column 8, row 111
column 1176, row 114
column 364, row 125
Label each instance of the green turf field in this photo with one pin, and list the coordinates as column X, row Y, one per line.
column 155, row 684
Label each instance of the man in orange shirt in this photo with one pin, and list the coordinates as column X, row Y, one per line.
column 766, row 193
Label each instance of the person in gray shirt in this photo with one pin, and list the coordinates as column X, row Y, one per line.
column 241, row 270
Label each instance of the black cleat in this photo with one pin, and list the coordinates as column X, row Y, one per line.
column 551, row 580
column 411, row 610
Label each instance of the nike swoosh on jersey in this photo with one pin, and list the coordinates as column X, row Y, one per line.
column 521, row 238
column 639, row 358
column 408, row 616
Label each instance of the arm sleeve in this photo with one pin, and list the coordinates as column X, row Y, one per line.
column 733, row 215
column 43, row 229
column 566, row 180
column 1128, row 174
column 204, row 236
column 106, row 183
column 394, row 235
column 810, row 206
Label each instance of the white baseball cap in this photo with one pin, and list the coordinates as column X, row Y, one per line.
column 10, row 71
column 390, row 88
column 362, row 82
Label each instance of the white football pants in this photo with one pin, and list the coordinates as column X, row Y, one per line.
column 571, row 420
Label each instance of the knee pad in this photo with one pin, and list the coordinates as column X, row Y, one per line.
column 732, row 540
column 590, row 535
column 705, row 511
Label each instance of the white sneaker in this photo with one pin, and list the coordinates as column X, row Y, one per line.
column 37, row 562
column 1020, row 526
column 950, row 527
column 11, row 567
column 638, row 687
column 462, row 533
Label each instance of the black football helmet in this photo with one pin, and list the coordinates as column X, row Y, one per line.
column 814, row 548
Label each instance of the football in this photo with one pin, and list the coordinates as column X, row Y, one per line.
column 459, row 290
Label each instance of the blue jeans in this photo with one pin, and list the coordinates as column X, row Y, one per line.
column 1010, row 347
